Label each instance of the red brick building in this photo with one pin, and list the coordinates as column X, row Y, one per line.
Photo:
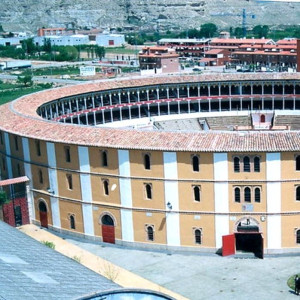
column 156, row 60
column 15, row 212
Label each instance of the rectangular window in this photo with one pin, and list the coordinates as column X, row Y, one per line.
column 16, row 143
column 69, row 181
column 1, row 138
column 38, row 148
column 67, row 154
column 3, row 164
column 18, row 170
column 41, row 179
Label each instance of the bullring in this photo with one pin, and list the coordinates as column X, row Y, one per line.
column 100, row 166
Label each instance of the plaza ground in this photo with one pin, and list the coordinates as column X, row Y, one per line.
column 192, row 275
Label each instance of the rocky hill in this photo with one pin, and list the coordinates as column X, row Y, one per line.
column 172, row 14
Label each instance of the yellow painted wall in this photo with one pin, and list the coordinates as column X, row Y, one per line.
column 137, row 164
column 188, row 223
column 185, row 166
column 67, row 208
column 139, row 194
column 186, row 196
column 141, row 220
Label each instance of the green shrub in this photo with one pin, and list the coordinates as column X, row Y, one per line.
column 49, row 244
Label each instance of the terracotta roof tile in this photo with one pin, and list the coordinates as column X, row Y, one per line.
column 20, row 117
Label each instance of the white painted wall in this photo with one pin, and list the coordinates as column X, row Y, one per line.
column 273, row 200
column 125, row 196
column 221, row 196
column 86, row 190
column 28, row 173
column 52, row 173
column 171, row 196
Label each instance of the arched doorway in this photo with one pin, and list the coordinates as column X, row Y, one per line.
column 43, row 214
column 248, row 237
column 108, row 229
column 262, row 118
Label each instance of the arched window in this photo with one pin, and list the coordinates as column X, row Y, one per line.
column 104, row 159
column 147, row 161
column 298, row 163
column 257, row 195
column 298, row 193
column 298, row 236
column 72, row 222
column 236, row 164
column 41, row 179
column 237, row 195
column 256, row 164
column 247, row 194
column 150, row 233
column 195, row 163
column 42, row 206
column 262, row 119
column 148, row 190
column 197, row 193
column 69, row 181
column 105, row 187
column 107, row 220
column 246, row 164
column 198, row 239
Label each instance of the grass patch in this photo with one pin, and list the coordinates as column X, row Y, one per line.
column 52, row 71
column 77, row 258
column 7, row 96
column 120, row 50
column 49, row 244
column 7, row 86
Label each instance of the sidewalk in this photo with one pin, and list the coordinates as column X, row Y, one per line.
column 99, row 265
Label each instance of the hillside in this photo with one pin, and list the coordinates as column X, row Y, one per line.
column 31, row 14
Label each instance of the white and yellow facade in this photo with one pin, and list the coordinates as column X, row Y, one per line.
column 174, row 190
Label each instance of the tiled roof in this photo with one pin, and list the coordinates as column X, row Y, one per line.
column 30, row 270
column 14, row 180
column 20, row 117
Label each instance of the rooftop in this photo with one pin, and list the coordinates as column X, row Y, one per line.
column 20, row 117
column 31, row 270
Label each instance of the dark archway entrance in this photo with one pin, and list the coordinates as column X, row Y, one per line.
column 248, row 238
column 43, row 214
column 108, row 229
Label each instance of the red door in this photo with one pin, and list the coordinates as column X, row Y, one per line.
column 228, row 245
column 44, row 219
column 108, row 234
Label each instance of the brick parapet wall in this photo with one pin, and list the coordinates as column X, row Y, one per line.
column 8, row 211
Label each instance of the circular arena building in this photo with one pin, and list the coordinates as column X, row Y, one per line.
column 203, row 163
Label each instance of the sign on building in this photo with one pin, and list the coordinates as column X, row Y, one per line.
column 87, row 71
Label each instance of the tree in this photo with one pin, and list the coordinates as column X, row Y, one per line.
column 208, row 30
column 29, row 46
column 261, row 31
column 100, row 52
column 67, row 53
column 3, row 198
column 25, row 80
column 47, row 47
column 238, row 32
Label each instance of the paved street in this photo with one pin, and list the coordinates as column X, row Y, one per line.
column 199, row 276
